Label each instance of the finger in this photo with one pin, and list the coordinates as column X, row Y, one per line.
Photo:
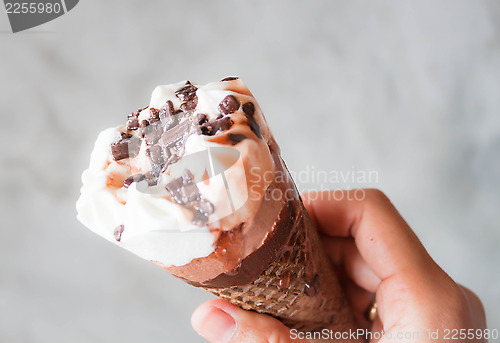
column 476, row 307
column 383, row 238
column 221, row 322
column 343, row 252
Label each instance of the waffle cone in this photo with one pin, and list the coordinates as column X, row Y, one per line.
column 299, row 287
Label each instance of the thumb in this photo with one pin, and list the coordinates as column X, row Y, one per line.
column 221, row 322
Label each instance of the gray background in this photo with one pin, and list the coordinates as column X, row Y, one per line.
column 410, row 90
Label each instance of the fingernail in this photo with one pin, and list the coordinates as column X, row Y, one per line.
column 213, row 324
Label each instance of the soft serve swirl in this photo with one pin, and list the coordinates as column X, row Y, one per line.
column 147, row 218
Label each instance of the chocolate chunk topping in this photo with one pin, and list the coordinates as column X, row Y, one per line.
column 142, row 128
column 204, row 206
column 155, row 115
column 155, row 154
column 185, row 192
column 222, row 124
column 133, row 121
column 151, row 178
column 167, row 114
column 211, row 128
column 235, row 138
column 176, row 135
column 118, row 232
column 152, row 133
column 132, row 124
column 188, row 92
column 230, row 78
column 206, row 129
column 167, row 110
column 228, row 105
column 249, row 109
column 189, row 105
column 125, row 148
column 136, row 113
column 134, row 178
column 174, row 187
column 187, row 95
column 199, row 218
column 125, row 135
column 189, row 191
column 201, row 118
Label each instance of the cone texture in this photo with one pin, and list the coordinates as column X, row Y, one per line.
column 299, row 287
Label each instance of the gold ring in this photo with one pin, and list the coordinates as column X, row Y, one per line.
column 371, row 311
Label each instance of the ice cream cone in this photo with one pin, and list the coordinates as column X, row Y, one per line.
column 241, row 233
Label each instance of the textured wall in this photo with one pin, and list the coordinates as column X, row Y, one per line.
column 409, row 90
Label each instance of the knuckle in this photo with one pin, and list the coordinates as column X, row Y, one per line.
column 472, row 299
column 375, row 194
column 452, row 298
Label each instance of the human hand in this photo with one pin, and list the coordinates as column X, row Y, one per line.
column 377, row 256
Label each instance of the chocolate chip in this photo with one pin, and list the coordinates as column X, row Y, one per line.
column 189, row 192
column 174, row 187
column 176, row 135
column 187, row 95
column 211, row 128
column 134, row 178
column 228, row 105
column 125, row 148
column 199, row 218
column 187, row 92
column 151, row 179
column 235, row 138
column 167, row 109
column 142, row 128
column 156, row 171
column 185, row 192
column 136, row 113
column 249, row 109
column 254, row 127
column 155, row 115
column 206, row 129
column 132, row 124
column 204, row 206
column 222, row 124
column 155, row 153
column 201, row 118
column 152, row 133
column 118, row 232
column 230, row 78
column 125, row 135
column 189, row 105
